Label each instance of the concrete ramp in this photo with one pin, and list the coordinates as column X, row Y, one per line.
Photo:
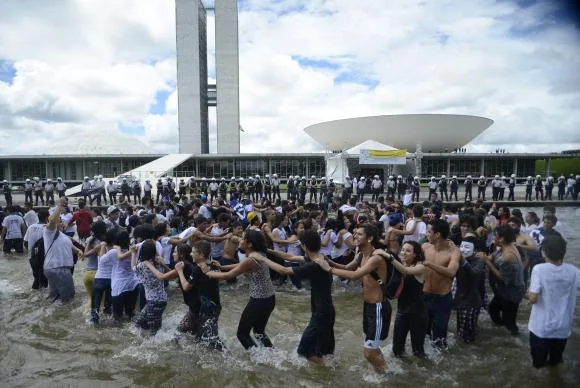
column 153, row 170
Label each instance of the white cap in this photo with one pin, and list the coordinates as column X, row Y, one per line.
column 111, row 209
column 233, row 178
column 223, row 179
column 49, row 180
column 59, row 179
column 275, row 175
column 312, row 177
column 28, row 180
column 497, row 176
column 482, row 177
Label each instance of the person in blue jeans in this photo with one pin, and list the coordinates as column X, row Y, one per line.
column 102, row 283
column 442, row 259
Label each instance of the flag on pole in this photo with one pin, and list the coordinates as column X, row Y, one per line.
column 241, row 129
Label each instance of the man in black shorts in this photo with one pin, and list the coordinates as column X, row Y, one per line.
column 376, row 310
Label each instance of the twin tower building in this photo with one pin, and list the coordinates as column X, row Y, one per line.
column 195, row 94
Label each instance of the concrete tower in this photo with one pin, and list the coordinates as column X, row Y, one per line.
column 194, row 93
column 228, row 77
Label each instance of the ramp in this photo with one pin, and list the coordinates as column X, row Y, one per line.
column 152, row 171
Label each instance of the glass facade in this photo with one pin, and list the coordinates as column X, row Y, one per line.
column 28, row 169
column 434, row 167
column 465, row 167
column 73, row 169
column 498, row 167
column 526, row 167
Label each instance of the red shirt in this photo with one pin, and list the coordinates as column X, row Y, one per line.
column 84, row 220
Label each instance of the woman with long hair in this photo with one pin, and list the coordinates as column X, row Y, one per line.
column 262, row 295
column 506, row 278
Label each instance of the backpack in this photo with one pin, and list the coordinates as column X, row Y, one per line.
column 37, row 254
column 393, row 285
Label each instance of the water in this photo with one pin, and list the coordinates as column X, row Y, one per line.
column 45, row 345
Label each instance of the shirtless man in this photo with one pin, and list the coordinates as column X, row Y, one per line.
column 377, row 310
column 232, row 243
column 442, row 261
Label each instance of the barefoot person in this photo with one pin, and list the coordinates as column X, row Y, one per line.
column 376, row 310
column 318, row 337
column 442, row 261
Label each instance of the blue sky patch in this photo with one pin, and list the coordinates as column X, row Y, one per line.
column 355, row 78
column 313, row 63
column 131, row 129
column 158, row 108
column 7, row 71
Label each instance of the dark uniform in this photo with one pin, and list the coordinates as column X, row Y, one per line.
column 159, row 187
column 539, row 188
column 468, row 188
column 313, row 188
column 453, row 188
column 481, row 186
column 7, row 190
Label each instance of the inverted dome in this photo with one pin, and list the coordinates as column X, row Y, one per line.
column 435, row 132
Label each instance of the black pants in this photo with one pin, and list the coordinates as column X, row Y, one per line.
column 511, row 194
column 561, row 194
column 276, row 192
column 314, row 194
column 255, row 317
column 443, row 193
column 49, row 196
column 481, row 193
column 37, row 195
column 415, row 196
column 61, row 194
column 528, row 194
column 40, row 280
column 546, row 351
column 376, row 193
column 13, row 243
column 101, row 288
column 8, row 198
column 453, row 193
column 113, row 197
column 504, row 313
column 540, row 194
column 438, row 311
column 318, row 337
column 549, row 194
column 414, row 321
column 125, row 302
column 469, row 194
column 28, row 196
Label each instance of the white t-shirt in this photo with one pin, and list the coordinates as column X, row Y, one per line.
column 407, row 199
column 60, row 254
column 420, row 231
column 13, row 224
column 33, row 234
column 205, row 212
column 557, row 287
column 166, row 248
column 31, row 218
column 217, row 248
column 337, row 252
column 327, row 250
column 385, row 220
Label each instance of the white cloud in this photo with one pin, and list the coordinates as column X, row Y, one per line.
column 91, row 67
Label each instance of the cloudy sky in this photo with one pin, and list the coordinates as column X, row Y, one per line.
column 100, row 75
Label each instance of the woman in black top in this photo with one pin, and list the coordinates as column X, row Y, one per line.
column 411, row 308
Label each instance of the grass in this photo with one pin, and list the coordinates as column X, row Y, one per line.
column 559, row 166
